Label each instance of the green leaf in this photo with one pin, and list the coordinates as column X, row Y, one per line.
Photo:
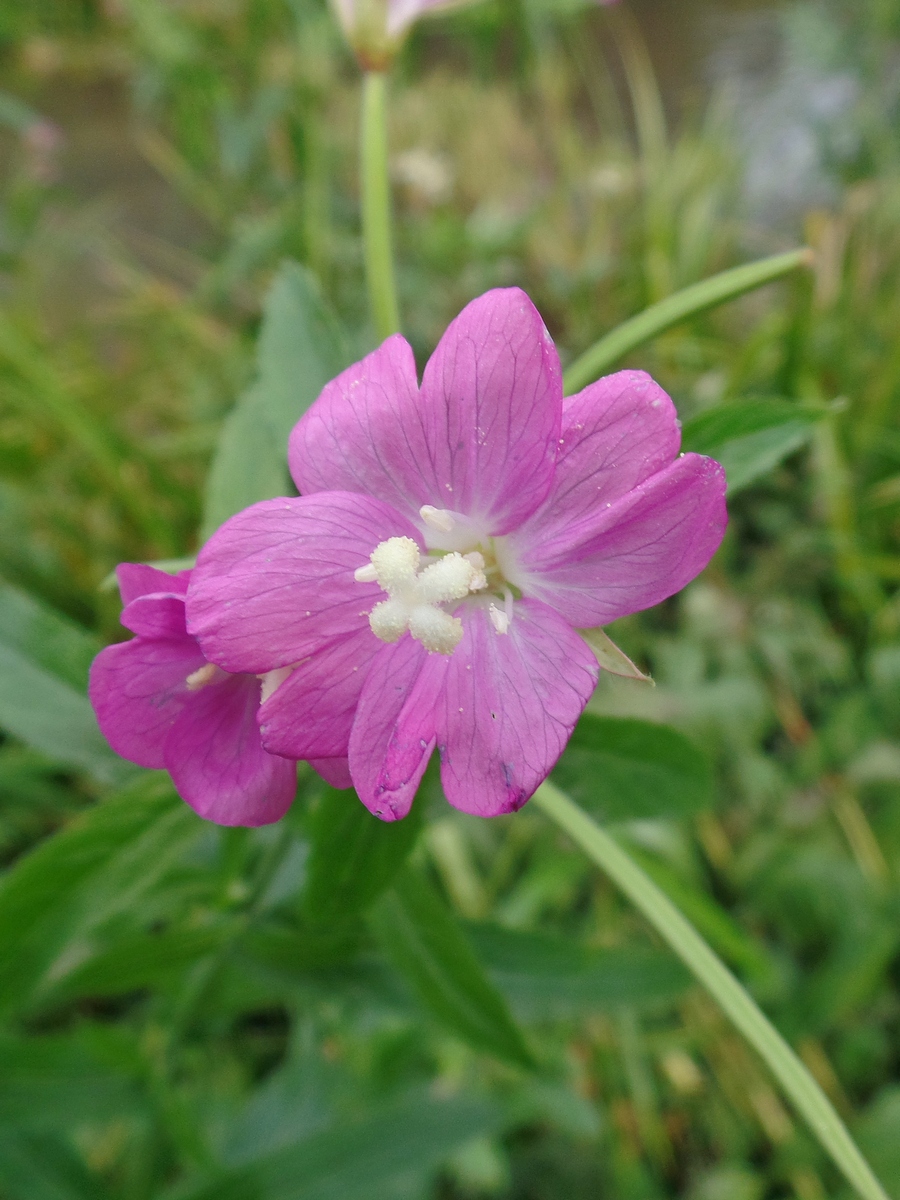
column 384, row 1156
column 49, row 715
column 428, row 946
column 102, row 864
column 749, row 439
column 622, row 769
column 300, row 348
column 249, row 465
column 876, row 1133
column 41, row 1167
column 544, row 976
column 46, row 637
column 684, row 304
column 299, row 351
column 354, row 856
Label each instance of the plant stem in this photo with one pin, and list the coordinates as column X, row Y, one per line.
column 806, row 1095
column 687, row 303
column 376, row 206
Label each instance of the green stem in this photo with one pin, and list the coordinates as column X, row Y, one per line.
column 808, row 1098
column 687, row 303
column 376, row 205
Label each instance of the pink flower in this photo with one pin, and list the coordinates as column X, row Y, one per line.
column 428, row 585
column 376, row 28
column 160, row 703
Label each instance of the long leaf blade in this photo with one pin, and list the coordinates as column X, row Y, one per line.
column 687, row 303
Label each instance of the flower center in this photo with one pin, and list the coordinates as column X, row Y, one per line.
column 417, row 592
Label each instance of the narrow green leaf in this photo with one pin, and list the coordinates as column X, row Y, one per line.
column 46, row 637
column 707, row 431
column 623, row 769
column 299, row 351
column 100, row 865
column 749, row 458
column 49, row 715
column 693, row 300
column 384, row 1156
column 545, row 976
column 428, row 946
column 354, row 856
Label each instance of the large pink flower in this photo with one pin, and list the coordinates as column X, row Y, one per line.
column 161, row 703
column 428, row 585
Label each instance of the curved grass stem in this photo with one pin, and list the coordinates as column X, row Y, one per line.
column 796, row 1081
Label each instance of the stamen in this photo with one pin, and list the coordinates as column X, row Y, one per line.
column 499, row 619
column 366, row 574
column 435, row 629
column 271, row 681
column 438, row 519
column 201, row 677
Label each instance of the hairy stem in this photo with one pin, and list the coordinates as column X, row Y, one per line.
column 796, row 1081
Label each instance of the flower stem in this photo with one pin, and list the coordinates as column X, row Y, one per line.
column 806, row 1095
column 376, row 205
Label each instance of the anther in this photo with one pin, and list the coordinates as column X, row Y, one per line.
column 201, row 677
column 499, row 619
column 438, row 519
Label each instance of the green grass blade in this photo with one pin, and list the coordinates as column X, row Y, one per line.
column 687, row 303
column 740, row 1008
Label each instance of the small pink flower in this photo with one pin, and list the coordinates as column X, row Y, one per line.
column 427, row 587
column 160, row 703
column 376, row 29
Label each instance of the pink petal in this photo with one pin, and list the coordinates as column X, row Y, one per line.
column 631, row 554
column 492, row 406
column 481, row 437
column 155, row 616
column 507, row 706
column 138, row 689
column 393, row 733
column 615, row 434
column 217, row 762
column 335, row 771
column 276, row 582
column 310, row 714
column 137, row 579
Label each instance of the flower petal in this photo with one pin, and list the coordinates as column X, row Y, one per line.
column 137, row 579
column 393, row 733
column 335, row 771
column 310, row 714
column 217, row 762
column 631, row 553
column 492, row 406
column 507, row 706
column 155, row 615
column 276, row 582
column 138, row 689
column 615, row 434
column 480, row 438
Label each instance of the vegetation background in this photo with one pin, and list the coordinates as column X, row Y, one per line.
column 195, row 1012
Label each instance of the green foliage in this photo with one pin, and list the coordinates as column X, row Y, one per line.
column 629, row 769
column 297, row 1010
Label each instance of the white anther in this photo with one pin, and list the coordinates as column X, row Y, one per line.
column 396, row 562
column 389, row 620
column 435, row 629
column 450, row 578
column 366, row 574
column 271, row 681
column 437, row 518
column 201, row 677
column 499, row 619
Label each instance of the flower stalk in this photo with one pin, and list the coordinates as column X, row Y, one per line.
column 376, row 206
column 796, row 1081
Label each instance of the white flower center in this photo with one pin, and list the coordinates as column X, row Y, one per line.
column 415, row 596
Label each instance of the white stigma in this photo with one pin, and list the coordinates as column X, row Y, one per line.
column 414, row 596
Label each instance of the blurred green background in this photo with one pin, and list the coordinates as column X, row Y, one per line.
column 191, row 1012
